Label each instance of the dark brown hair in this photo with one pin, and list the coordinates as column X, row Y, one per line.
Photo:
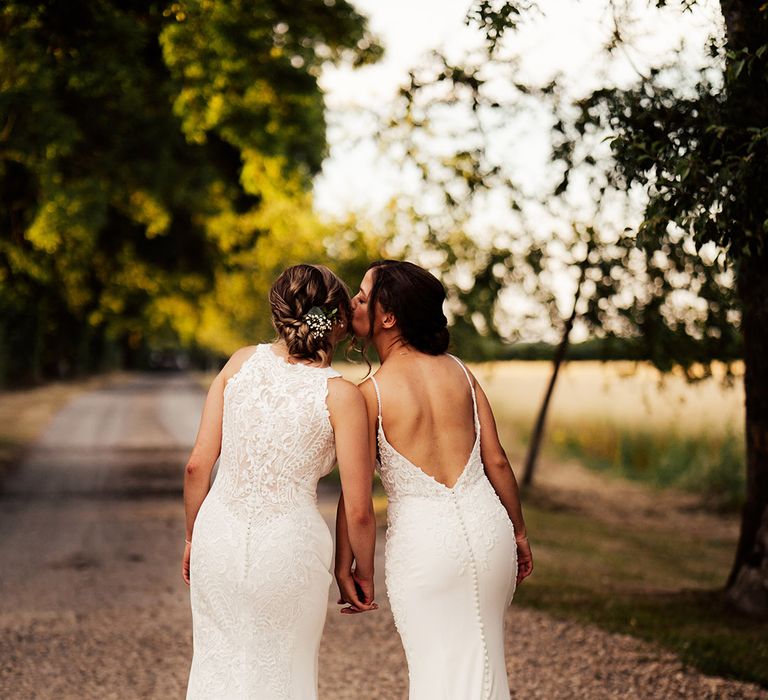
column 415, row 297
column 294, row 293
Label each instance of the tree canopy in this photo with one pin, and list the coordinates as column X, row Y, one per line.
column 155, row 165
column 698, row 150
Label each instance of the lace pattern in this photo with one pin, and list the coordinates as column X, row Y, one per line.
column 260, row 564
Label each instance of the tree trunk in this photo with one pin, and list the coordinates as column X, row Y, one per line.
column 747, row 586
column 747, row 109
column 557, row 361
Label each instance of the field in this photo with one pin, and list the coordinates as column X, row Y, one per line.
column 630, row 420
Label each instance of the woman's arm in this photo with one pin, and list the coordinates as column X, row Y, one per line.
column 344, row 556
column 197, row 473
column 356, row 525
column 502, row 478
column 349, row 594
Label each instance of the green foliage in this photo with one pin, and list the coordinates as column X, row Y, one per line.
column 247, row 72
column 609, row 348
column 154, row 170
column 697, row 146
column 712, row 466
column 676, row 305
column 703, row 159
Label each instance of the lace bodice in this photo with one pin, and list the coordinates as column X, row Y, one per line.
column 400, row 477
column 277, row 439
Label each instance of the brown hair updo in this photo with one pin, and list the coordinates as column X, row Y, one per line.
column 294, row 293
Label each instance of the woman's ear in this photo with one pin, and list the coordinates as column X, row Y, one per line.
column 388, row 320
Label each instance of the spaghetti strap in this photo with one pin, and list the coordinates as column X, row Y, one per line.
column 378, row 395
column 471, row 388
column 466, row 374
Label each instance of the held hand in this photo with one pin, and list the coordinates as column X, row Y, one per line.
column 524, row 559
column 364, row 587
column 353, row 595
column 185, row 563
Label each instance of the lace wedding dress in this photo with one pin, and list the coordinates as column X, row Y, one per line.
column 260, row 565
column 450, row 569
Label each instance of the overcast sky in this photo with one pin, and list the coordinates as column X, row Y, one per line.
column 565, row 38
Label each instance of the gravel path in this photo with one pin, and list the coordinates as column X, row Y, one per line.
column 93, row 605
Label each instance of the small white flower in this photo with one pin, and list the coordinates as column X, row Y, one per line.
column 319, row 321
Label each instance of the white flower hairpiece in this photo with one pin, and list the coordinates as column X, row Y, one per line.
column 319, row 320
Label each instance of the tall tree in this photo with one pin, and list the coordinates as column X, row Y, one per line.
column 667, row 303
column 155, row 164
column 701, row 154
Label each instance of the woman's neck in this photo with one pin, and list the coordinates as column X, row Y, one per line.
column 281, row 348
column 390, row 345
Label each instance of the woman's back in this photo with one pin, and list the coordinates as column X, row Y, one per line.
column 450, row 549
column 451, row 555
column 427, row 413
column 260, row 567
column 277, row 441
column 278, row 417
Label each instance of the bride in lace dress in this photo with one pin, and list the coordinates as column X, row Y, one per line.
column 258, row 553
column 456, row 543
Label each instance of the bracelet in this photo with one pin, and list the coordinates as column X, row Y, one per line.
column 188, row 541
column 524, row 538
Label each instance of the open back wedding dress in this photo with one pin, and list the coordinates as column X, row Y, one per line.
column 450, row 569
column 260, row 565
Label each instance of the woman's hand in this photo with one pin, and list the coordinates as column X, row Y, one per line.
column 364, row 588
column 524, row 559
column 185, row 563
column 355, row 592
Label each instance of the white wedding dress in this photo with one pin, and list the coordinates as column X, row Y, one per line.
column 450, row 570
column 260, row 567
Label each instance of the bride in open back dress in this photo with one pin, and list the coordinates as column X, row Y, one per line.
column 456, row 545
column 259, row 564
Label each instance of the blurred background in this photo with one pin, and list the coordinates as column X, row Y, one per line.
column 586, row 177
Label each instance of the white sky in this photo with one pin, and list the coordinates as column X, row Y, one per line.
column 566, row 38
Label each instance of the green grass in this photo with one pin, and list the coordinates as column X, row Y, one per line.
column 663, row 586
column 710, row 465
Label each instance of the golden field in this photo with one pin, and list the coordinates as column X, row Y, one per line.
column 625, row 419
column 621, row 394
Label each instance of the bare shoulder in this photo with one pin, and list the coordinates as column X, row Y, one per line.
column 236, row 361
column 367, row 389
column 343, row 392
column 472, row 377
column 345, row 402
column 390, row 377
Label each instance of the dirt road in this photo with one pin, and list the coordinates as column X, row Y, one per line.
column 92, row 604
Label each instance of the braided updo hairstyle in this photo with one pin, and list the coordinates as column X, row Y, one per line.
column 294, row 293
column 415, row 297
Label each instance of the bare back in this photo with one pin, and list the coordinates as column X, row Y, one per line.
column 427, row 413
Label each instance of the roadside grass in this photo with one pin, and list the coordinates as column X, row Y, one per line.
column 709, row 464
column 662, row 586
column 712, row 466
